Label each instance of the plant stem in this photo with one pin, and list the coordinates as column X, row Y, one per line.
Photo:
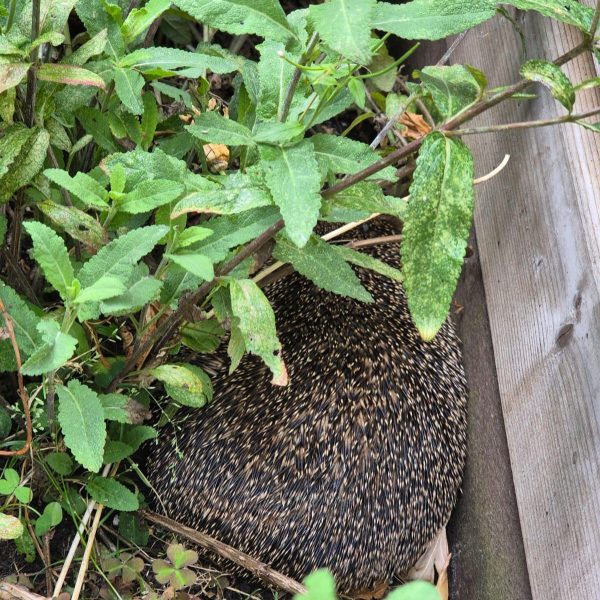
column 31, row 74
column 285, row 109
column 570, row 118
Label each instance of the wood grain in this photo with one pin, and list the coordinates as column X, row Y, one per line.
column 538, row 227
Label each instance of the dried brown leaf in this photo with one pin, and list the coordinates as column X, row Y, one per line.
column 416, row 126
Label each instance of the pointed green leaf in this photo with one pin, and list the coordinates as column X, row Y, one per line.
column 69, row 74
column 129, row 85
column 452, row 88
column 106, row 287
column 263, row 17
column 92, row 47
column 137, row 294
column 57, row 349
column 112, row 494
column 187, row 384
column 213, row 128
column 12, row 143
column 149, row 119
column 51, row 254
column 367, row 261
column 345, row 26
column 256, row 323
column 197, row 264
column 323, row 265
column 11, row 74
column 81, row 418
column 553, row 78
column 84, row 187
column 60, row 462
column 571, row 12
column 149, row 195
column 292, row 175
column 436, row 229
column 139, row 19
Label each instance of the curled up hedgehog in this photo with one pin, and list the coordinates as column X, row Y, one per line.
column 354, row 466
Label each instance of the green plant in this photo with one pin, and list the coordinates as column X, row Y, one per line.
column 123, row 240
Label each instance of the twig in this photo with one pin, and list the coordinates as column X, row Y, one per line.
column 455, row 44
column 570, row 118
column 31, row 74
column 493, row 172
column 9, row 591
column 86, row 554
column 256, row 567
column 48, row 563
column 75, row 543
column 285, row 108
column 152, row 32
column 22, row 392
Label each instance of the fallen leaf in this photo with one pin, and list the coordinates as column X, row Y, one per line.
column 435, row 558
column 415, row 125
column 217, row 157
column 373, row 594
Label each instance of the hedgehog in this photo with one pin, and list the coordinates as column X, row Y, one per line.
column 354, row 466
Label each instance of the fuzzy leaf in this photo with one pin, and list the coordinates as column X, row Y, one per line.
column 187, row 384
column 256, row 323
column 136, row 436
column 367, row 261
column 117, row 259
column 211, row 127
column 172, row 59
column 149, row 119
column 91, row 48
column 26, row 165
column 112, row 494
column 51, row 517
column 81, row 418
column 78, row 224
column 137, row 294
column 11, row 74
column 149, row 195
column 323, row 265
column 262, row 17
column 345, row 26
column 60, row 462
column 10, row 527
column 197, row 264
column 57, row 349
column 139, row 19
column 431, row 19
column 571, row 12
column 436, row 229
column 106, row 287
column 292, row 175
column 452, row 88
column 84, row 187
column 320, row 585
column 343, row 155
column 69, row 74
column 553, row 78
column 11, row 144
column 129, row 85
column 51, row 254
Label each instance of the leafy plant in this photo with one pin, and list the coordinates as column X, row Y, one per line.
column 143, row 185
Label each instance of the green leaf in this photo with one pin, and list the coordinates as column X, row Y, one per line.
column 172, row 59
column 214, row 128
column 436, row 229
column 262, row 17
column 343, row 155
column 320, row 585
column 367, row 261
column 106, row 287
column 571, row 12
column 553, row 78
column 112, row 494
column 60, row 462
column 129, row 85
column 10, row 527
column 203, row 336
column 361, row 200
column 256, row 323
column 51, row 517
column 415, row 590
column 323, row 265
column 57, row 349
column 84, row 187
column 138, row 293
column 115, row 407
column 117, row 259
column 292, row 175
column 149, row 195
column 51, row 254
column 26, row 165
column 91, row 48
column 149, row 119
column 197, row 264
column 595, row 127
column 11, row 74
column 81, row 418
column 139, row 19
column 115, row 451
column 23, row 494
column 78, row 224
column 10, row 482
column 5, row 423
column 96, row 124
column 69, row 74
column 24, row 322
column 187, row 384
column 452, row 88
column 345, row 26
column 12, row 143
column 431, row 19
column 137, row 435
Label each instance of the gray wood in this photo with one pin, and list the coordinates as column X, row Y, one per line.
column 538, row 227
column 488, row 559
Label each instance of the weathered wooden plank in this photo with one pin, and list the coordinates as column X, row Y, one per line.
column 538, row 227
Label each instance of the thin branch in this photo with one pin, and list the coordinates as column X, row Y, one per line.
column 86, row 554
column 285, row 108
column 256, row 567
column 31, row 74
column 9, row 591
column 22, row 392
column 570, row 118
column 455, row 44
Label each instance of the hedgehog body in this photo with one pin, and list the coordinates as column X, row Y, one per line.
column 353, row 466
